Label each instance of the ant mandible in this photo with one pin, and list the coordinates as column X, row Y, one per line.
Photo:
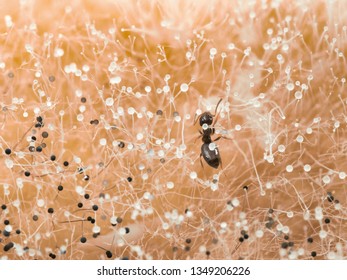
column 211, row 156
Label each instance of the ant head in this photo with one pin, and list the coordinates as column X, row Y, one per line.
column 207, row 118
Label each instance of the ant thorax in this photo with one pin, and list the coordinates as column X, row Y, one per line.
column 206, row 138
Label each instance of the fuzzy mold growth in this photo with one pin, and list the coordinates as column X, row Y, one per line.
column 100, row 143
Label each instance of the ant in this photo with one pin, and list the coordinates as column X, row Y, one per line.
column 211, row 156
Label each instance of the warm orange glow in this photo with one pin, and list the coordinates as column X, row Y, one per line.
column 117, row 86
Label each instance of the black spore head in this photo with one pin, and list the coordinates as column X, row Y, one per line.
column 109, row 254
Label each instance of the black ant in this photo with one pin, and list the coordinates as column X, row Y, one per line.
column 212, row 157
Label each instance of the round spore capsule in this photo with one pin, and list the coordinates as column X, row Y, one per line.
column 52, row 256
column 8, row 151
column 101, row 195
column 330, row 197
column 8, row 246
column 83, row 239
column 94, row 122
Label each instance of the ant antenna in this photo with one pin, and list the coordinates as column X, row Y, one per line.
column 215, row 112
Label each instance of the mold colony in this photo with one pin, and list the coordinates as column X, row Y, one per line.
column 98, row 153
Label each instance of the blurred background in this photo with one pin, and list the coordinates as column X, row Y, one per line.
column 100, row 151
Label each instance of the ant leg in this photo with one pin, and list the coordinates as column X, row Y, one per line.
column 198, row 136
column 221, row 166
column 196, row 118
column 201, row 162
column 223, row 137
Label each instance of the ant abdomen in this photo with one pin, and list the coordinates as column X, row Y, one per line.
column 211, row 156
